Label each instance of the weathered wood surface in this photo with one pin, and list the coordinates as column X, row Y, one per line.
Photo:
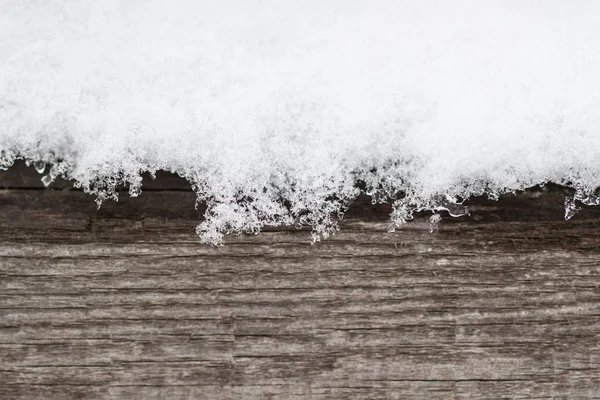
column 123, row 302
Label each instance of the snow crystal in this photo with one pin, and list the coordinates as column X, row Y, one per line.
column 275, row 110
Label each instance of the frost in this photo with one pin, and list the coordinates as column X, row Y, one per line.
column 275, row 111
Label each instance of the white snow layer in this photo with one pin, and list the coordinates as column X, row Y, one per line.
column 274, row 110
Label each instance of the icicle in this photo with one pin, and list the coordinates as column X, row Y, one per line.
column 570, row 208
column 434, row 221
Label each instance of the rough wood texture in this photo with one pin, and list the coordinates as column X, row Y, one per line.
column 123, row 303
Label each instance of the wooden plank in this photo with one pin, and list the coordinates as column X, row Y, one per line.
column 123, row 302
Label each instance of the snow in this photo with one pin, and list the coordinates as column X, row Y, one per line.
column 274, row 110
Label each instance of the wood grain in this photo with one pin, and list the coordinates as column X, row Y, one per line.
column 124, row 303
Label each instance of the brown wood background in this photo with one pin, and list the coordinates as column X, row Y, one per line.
column 124, row 303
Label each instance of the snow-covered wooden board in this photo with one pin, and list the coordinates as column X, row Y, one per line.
column 123, row 302
column 273, row 111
